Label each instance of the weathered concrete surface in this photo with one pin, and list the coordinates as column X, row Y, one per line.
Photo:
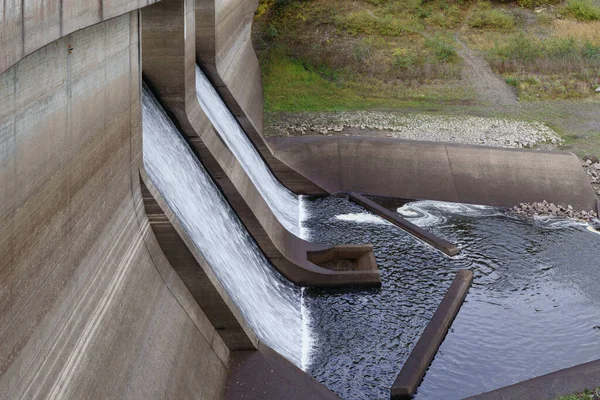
column 438, row 171
column 169, row 64
column 89, row 306
column 264, row 374
column 28, row 25
column 551, row 386
column 224, row 52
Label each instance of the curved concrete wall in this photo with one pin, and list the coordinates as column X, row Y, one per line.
column 169, row 66
column 438, row 171
column 28, row 25
column 224, row 52
column 89, row 305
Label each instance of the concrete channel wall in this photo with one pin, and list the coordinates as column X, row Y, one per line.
column 438, row 171
column 89, row 305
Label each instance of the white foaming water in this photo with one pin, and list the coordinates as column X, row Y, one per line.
column 364, row 218
column 303, row 216
column 270, row 303
column 281, row 201
column 426, row 213
column 307, row 340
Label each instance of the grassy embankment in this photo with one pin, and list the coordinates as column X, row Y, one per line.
column 585, row 395
column 334, row 55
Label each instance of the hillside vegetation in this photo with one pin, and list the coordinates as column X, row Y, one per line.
column 389, row 53
column 534, row 60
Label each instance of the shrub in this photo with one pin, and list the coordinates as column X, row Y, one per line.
column 442, row 48
column 402, row 58
column 583, row 10
column 491, row 18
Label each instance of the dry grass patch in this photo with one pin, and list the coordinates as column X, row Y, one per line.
column 584, row 31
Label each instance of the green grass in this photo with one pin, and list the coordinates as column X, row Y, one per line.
column 290, row 85
column 550, row 68
column 583, row 10
column 486, row 17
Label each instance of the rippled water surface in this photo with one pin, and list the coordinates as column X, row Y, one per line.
column 532, row 308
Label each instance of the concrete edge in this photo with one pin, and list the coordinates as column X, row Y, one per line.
column 422, row 355
column 418, row 232
column 563, row 382
column 471, row 174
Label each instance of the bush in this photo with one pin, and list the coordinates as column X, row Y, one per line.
column 442, row 48
column 402, row 58
column 491, row 18
column 582, row 10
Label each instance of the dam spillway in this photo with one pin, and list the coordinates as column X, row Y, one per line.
column 271, row 304
column 92, row 303
column 283, row 203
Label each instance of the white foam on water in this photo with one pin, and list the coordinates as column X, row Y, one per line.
column 362, row 218
column 283, row 203
column 270, row 304
column 307, row 337
column 303, row 217
column 426, row 212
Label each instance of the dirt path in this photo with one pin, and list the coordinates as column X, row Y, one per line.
column 490, row 87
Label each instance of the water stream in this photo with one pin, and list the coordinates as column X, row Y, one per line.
column 270, row 303
column 283, row 203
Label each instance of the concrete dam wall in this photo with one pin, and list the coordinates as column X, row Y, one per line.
column 90, row 307
column 103, row 293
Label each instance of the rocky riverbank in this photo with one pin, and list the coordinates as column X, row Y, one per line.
column 455, row 129
column 591, row 166
column 550, row 209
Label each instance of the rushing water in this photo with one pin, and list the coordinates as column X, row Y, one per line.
column 270, row 303
column 531, row 309
column 284, row 204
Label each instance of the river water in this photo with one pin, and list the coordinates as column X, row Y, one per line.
column 532, row 308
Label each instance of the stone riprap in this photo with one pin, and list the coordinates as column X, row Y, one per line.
column 591, row 166
column 544, row 208
column 437, row 128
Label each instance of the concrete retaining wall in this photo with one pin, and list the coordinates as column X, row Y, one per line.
column 438, row 171
column 89, row 305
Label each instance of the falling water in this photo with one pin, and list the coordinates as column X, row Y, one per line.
column 283, row 203
column 269, row 302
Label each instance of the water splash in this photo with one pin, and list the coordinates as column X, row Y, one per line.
column 270, row 303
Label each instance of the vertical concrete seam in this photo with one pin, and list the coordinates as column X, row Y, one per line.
column 457, row 197
column 60, row 18
column 340, row 168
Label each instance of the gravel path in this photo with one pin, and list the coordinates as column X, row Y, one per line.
column 490, row 87
column 455, row 129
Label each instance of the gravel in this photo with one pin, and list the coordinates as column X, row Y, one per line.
column 455, row 129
